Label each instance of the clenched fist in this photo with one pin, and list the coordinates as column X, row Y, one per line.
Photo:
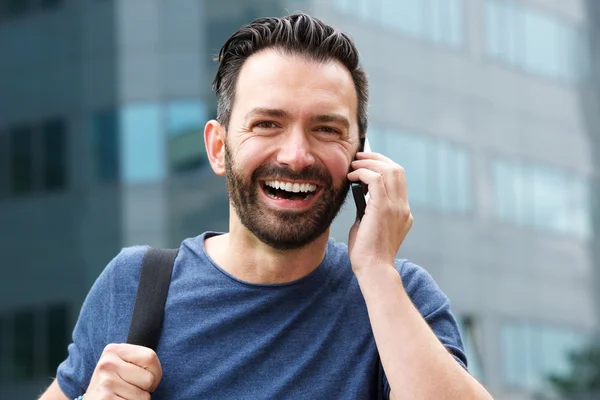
column 125, row 371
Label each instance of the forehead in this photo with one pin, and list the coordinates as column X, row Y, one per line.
column 272, row 79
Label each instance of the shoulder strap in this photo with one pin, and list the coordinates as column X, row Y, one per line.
column 147, row 318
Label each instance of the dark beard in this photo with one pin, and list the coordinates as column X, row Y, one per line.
column 283, row 230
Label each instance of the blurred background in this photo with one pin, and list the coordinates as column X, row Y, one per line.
column 490, row 105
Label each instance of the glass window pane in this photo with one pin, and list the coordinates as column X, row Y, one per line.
column 547, row 198
column 3, row 355
column 142, row 151
column 443, row 20
column 368, row 9
column 414, row 153
column 185, row 129
column 513, row 351
column 578, row 208
column 405, row 16
column 447, row 195
column 463, row 181
column 105, row 139
column 17, row 7
column 514, row 28
column 455, row 22
column 55, row 154
column 51, row 3
column 524, row 187
column 540, row 41
column 24, row 346
column 58, row 336
column 21, row 160
column 493, row 32
column 508, row 184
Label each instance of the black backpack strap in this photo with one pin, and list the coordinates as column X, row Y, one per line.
column 148, row 311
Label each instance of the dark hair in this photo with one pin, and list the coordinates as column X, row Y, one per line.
column 294, row 34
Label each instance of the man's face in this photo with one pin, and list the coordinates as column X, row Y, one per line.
column 291, row 138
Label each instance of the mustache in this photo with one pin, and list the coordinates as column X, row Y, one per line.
column 310, row 173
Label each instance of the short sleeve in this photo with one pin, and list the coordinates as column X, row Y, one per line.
column 102, row 320
column 434, row 306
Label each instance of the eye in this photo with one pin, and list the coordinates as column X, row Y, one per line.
column 265, row 125
column 328, row 129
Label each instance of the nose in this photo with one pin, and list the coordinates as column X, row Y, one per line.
column 295, row 151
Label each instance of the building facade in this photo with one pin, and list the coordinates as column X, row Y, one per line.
column 102, row 107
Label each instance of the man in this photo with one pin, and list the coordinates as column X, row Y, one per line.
column 275, row 309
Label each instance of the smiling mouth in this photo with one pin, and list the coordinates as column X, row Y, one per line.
column 282, row 190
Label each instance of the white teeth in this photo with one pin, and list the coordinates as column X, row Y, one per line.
column 292, row 187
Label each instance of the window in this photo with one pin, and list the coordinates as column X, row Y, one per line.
column 50, row 3
column 3, row 353
column 105, row 139
column 143, row 143
column 439, row 21
column 57, row 323
column 55, row 154
column 537, row 42
column 531, row 353
column 17, row 7
column 443, row 19
column 4, row 164
column 468, row 330
column 542, row 197
column 21, row 139
column 437, row 173
column 24, row 346
column 185, row 128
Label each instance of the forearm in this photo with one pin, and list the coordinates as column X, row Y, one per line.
column 415, row 362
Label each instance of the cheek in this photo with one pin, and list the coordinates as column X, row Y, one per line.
column 338, row 166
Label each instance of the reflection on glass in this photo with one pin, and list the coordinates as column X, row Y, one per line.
column 57, row 339
column 439, row 21
column 534, row 40
column 24, row 348
column 55, row 154
column 530, row 353
column 21, row 154
column 106, row 145
column 541, row 197
column 142, row 140
column 437, row 173
column 185, row 127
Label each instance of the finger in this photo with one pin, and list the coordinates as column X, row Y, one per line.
column 129, row 391
column 374, row 181
column 394, row 176
column 136, row 376
column 374, row 156
column 141, row 356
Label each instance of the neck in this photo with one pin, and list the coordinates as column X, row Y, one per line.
column 244, row 256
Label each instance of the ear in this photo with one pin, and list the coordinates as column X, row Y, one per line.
column 214, row 140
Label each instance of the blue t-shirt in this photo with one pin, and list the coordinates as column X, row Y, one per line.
column 228, row 339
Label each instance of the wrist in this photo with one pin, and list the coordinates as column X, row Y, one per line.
column 375, row 274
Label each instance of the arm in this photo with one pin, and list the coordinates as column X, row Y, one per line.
column 53, row 393
column 415, row 362
column 413, row 357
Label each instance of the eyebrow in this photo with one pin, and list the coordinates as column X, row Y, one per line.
column 280, row 113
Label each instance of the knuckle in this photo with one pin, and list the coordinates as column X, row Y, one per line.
column 107, row 363
column 111, row 348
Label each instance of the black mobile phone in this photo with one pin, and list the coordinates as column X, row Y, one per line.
column 359, row 189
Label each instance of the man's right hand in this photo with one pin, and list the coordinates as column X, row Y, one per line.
column 126, row 371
